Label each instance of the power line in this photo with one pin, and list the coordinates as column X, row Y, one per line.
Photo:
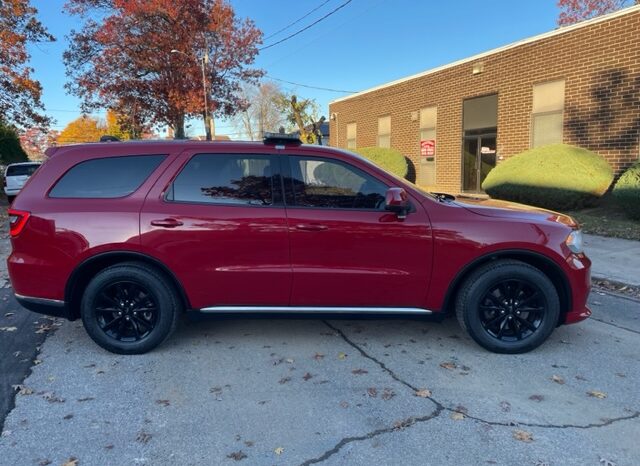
column 307, row 27
column 311, row 87
column 297, row 20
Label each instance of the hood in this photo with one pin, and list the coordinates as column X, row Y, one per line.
column 506, row 209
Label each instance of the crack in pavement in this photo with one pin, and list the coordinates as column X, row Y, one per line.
column 439, row 409
column 396, row 427
column 615, row 325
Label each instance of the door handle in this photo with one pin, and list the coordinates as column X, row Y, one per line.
column 311, row 227
column 166, row 223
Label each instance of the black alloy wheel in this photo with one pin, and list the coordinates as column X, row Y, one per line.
column 126, row 311
column 508, row 306
column 130, row 308
column 512, row 310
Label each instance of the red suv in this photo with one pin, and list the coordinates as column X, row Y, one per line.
column 128, row 235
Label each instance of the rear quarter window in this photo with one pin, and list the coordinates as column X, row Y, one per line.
column 108, row 177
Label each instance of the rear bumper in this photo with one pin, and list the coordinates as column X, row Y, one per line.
column 50, row 307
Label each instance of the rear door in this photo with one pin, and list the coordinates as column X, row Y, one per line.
column 346, row 250
column 217, row 220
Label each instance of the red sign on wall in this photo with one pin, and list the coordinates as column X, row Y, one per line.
column 428, row 148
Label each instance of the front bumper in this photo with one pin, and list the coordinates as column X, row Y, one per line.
column 50, row 307
column 580, row 281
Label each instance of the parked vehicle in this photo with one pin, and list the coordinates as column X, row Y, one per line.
column 16, row 175
column 127, row 236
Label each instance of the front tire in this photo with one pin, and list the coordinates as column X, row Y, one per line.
column 130, row 308
column 508, row 306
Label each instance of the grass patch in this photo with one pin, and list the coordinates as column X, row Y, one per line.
column 607, row 218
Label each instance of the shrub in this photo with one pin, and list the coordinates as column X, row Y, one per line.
column 627, row 191
column 557, row 176
column 390, row 160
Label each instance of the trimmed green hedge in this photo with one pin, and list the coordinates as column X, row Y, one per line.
column 627, row 191
column 557, row 176
column 390, row 160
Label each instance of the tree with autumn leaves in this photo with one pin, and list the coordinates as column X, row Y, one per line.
column 573, row 11
column 124, row 61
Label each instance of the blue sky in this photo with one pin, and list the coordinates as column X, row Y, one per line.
column 366, row 43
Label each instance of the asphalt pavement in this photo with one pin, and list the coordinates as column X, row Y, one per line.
column 312, row 391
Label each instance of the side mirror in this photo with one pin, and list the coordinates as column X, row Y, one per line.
column 397, row 201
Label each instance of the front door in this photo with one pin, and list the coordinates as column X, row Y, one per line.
column 346, row 250
column 478, row 159
column 221, row 227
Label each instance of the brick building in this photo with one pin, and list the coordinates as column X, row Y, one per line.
column 578, row 84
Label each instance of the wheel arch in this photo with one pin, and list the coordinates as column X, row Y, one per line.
column 88, row 269
column 543, row 263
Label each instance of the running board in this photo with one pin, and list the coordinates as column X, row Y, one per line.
column 313, row 310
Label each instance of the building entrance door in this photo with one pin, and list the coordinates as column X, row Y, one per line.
column 478, row 159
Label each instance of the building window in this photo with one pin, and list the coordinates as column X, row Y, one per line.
column 352, row 130
column 384, row 131
column 547, row 115
column 428, row 146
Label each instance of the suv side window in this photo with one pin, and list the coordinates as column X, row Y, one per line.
column 104, row 178
column 228, row 179
column 331, row 184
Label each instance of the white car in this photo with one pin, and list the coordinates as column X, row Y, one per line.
column 16, row 175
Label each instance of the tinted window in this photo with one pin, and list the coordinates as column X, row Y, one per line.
column 22, row 170
column 225, row 179
column 331, row 184
column 106, row 178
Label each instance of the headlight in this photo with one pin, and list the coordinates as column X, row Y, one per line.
column 575, row 242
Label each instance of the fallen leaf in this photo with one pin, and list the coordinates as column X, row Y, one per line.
column 143, row 437
column 9, row 314
column 372, row 392
column 318, row 356
column 67, row 417
column 342, row 356
column 344, row 404
column 401, row 424
column 284, row 380
column 22, row 389
column 456, row 416
column 597, row 394
column 88, row 398
column 307, row 376
column 359, row 371
column 505, row 406
column 387, row 394
column 163, row 402
column 424, row 393
column 8, row 329
column 248, row 443
column 37, row 361
column 289, row 361
column 606, row 462
column 237, row 455
column 557, row 379
column 279, row 451
column 71, row 462
column 523, row 436
column 536, row 398
column 52, row 398
column 448, row 365
column 44, row 462
column 108, row 447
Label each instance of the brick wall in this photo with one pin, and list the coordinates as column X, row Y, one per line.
column 600, row 63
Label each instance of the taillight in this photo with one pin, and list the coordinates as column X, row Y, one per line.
column 17, row 220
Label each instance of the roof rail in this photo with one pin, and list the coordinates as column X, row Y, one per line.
column 281, row 138
column 109, row 138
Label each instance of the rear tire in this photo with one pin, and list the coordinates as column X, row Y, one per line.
column 130, row 308
column 508, row 306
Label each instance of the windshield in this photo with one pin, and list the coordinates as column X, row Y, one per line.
column 22, row 170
